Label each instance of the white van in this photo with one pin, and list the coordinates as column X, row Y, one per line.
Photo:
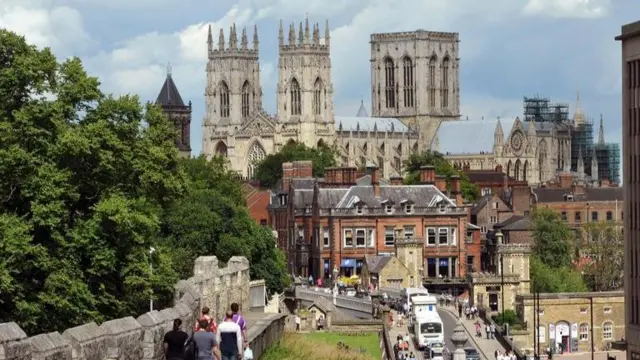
column 428, row 328
column 409, row 293
column 424, row 303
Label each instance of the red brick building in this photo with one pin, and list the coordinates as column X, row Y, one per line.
column 257, row 202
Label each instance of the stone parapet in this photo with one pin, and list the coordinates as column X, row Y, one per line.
column 142, row 338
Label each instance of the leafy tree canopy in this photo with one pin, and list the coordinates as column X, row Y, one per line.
column 90, row 184
column 443, row 167
column 269, row 170
column 553, row 239
column 548, row 279
column 603, row 247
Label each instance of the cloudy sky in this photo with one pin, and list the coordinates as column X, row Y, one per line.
column 509, row 48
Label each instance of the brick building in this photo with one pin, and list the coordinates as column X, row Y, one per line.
column 491, row 181
column 327, row 226
column 258, row 201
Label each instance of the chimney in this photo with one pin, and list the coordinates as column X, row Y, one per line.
column 287, row 175
column 520, row 198
column 374, row 172
column 456, row 189
column 427, row 174
column 441, row 183
column 578, row 188
column 302, row 169
column 566, row 180
column 397, row 180
column 499, row 168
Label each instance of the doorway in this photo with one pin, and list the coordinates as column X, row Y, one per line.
column 493, row 302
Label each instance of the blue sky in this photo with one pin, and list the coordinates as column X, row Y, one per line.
column 508, row 49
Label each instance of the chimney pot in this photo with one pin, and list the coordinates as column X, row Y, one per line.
column 441, row 183
column 375, row 179
column 427, row 174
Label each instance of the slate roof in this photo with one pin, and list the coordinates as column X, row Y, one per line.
column 354, row 123
column 375, row 263
column 487, row 176
column 325, row 305
column 421, row 195
column 484, row 200
column 547, row 195
column 515, row 223
column 169, row 94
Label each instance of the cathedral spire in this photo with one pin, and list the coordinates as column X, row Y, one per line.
column 210, row 39
column 281, row 34
column 580, row 166
column 292, row 35
column 594, row 166
column 326, row 33
column 255, row 38
column 307, row 34
column 316, row 34
column 601, row 132
column 578, row 115
column 245, row 41
column 221, row 40
column 233, row 38
column 300, row 34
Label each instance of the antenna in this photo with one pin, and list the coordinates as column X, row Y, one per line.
column 169, row 69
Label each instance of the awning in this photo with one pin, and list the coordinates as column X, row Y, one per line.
column 349, row 263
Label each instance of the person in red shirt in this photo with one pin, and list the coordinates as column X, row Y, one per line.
column 210, row 321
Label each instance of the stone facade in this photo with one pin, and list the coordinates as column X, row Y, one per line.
column 237, row 127
column 134, row 339
column 391, row 274
column 567, row 318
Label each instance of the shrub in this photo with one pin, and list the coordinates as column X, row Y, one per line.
column 508, row 317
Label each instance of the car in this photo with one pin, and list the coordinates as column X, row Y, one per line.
column 472, row 354
column 351, row 292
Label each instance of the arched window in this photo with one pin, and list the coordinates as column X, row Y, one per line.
column 390, row 83
column 256, row 154
column 296, row 105
column 509, row 166
column 584, row 332
column 245, row 99
column 524, row 170
column 445, row 83
column 407, row 72
column 400, row 149
column 516, row 173
column 607, row 331
column 221, row 149
column 365, row 149
column 432, row 81
column 321, row 144
column 542, row 160
column 224, row 100
column 317, row 97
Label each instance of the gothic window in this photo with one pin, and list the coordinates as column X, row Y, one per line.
column 432, row 81
column 245, row 99
column 524, row 170
column 185, row 133
column 382, row 148
column 509, row 166
column 445, row 83
column 390, row 83
column 516, row 174
column 365, row 149
column 542, row 160
column 407, row 71
column 397, row 164
column 224, row 100
column 296, row 106
column 256, row 154
column 221, row 149
column 400, row 149
column 415, row 147
column 320, row 144
column 317, row 97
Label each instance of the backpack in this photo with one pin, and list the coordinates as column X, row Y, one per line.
column 212, row 324
column 191, row 349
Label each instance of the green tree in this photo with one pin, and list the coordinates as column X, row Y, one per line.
column 442, row 166
column 553, row 239
column 547, row 279
column 602, row 242
column 269, row 170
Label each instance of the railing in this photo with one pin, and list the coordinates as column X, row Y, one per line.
column 340, row 301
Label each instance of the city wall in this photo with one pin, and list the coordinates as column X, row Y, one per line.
column 138, row 338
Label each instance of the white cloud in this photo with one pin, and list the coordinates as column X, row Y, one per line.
column 586, row 9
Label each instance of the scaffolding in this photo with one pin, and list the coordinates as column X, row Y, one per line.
column 541, row 109
column 608, row 156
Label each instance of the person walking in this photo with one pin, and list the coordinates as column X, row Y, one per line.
column 211, row 327
column 493, row 331
column 298, row 321
column 239, row 319
column 174, row 342
column 206, row 342
column 229, row 338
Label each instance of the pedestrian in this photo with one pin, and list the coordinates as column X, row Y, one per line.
column 210, row 321
column 174, row 342
column 493, row 331
column 478, row 330
column 206, row 342
column 487, row 330
column 239, row 319
column 496, row 354
column 298, row 321
column 460, row 311
column 230, row 338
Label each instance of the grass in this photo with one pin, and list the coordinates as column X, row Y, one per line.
column 306, row 346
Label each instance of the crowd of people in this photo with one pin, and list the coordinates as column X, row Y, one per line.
column 224, row 341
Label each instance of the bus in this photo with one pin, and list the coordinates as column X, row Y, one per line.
column 409, row 293
column 428, row 328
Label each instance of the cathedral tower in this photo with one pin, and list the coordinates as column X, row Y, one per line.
column 180, row 114
column 305, row 89
column 232, row 93
column 415, row 77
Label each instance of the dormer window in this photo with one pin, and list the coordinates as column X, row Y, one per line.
column 442, row 207
column 408, row 208
column 359, row 209
column 388, row 208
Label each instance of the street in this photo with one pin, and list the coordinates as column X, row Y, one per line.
column 449, row 322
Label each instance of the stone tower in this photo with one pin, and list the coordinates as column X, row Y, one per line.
column 415, row 77
column 514, row 261
column 180, row 114
column 233, row 93
column 305, row 89
column 409, row 252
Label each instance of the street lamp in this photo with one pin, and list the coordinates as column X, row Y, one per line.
column 151, row 251
column 502, row 283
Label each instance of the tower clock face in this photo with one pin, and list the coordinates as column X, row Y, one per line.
column 517, row 141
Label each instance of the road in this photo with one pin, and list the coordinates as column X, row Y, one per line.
column 450, row 322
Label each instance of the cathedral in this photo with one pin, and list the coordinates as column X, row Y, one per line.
column 414, row 87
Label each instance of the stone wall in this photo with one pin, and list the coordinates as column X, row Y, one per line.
column 141, row 338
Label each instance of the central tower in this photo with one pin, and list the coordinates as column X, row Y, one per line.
column 305, row 89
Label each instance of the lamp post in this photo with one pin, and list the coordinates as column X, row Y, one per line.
column 502, row 283
column 151, row 251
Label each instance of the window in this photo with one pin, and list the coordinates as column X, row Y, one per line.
column 388, row 209
column 348, row 237
column 583, row 310
column 390, row 83
column 245, row 99
column 470, row 267
column 584, row 332
column 541, row 311
column 445, row 83
column 493, row 219
column 407, row 72
column 388, row 236
column 372, row 238
column 361, row 238
column 607, row 309
column 431, row 236
column 486, row 191
column 317, row 97
column 224, row 100
column 296, row 106
column 609, row 216
column 496, row 205
column 453, row 238
column 432, row 81
column 263, row 222
column 577, row 216
column 542, row 332
column 325, row 237
column 359, row 209
column 408, row 208
column 594, row 216
column 563, row 216
column 408, row 231
column 443, row 236
column 607, row 331
column 483, row 229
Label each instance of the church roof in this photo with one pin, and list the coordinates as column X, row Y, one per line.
column 354, row 123
column 469, row 136
column 362, row 112
column 169, row 94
